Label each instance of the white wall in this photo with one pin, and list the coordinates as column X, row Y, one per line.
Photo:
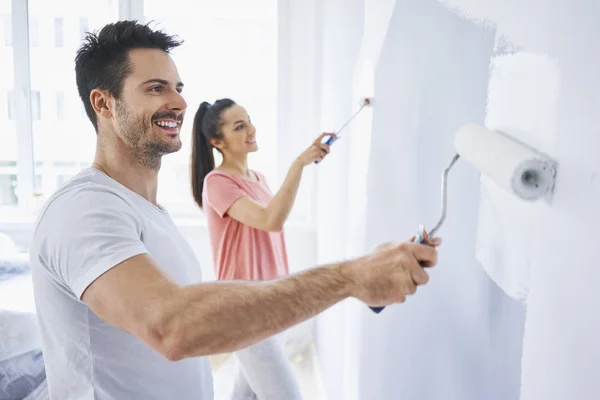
column 460, row 337
column 556, row 107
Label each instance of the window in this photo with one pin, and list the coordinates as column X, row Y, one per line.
column 59, row 34
column 240, row 63
column 36, row 153
column 229, row 50
column 34, row 32
column 8, row 196
column 83, row 27
column 60, row 105
column 8, row 184
column 7, row 31
column 8, row 135
column 53, row 142
column 10, row 105
column 36, row 106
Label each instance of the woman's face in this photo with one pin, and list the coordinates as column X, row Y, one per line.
column 239, row 135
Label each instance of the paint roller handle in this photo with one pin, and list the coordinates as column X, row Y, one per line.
column 364, row 102
column 329, row 142
column 419, row 238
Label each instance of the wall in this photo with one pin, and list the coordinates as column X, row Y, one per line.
column 541, row 77
column 550, row 98
column 459, row 337
column 431, row 76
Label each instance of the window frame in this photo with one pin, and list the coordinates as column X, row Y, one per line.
column 23, row 106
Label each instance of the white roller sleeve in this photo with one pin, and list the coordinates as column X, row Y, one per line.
column 513, row 166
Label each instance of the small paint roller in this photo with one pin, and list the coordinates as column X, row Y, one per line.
column 364, row 102
column 512, row 165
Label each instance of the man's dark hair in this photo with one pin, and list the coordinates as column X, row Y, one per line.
column 102, row 61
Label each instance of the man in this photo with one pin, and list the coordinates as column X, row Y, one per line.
column 118, row 313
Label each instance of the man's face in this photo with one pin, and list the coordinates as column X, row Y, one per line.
column 149, row 114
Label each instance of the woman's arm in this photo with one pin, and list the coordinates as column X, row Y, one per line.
column 273, row 216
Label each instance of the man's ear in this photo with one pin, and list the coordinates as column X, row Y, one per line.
column 101, row 102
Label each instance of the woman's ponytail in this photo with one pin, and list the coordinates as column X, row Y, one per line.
column 203, row 159
column 207, row 124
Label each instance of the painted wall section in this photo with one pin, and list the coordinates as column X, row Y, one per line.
column 459, row 337
column 550, row 96
column 506, row 223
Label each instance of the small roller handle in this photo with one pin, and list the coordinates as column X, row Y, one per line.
column 329, row 142
column 418, row 239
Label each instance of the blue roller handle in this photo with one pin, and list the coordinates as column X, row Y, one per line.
column 329, row 142
column 418, row 239
column 331, row 139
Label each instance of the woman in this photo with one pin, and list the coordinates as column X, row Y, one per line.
column 245, row 224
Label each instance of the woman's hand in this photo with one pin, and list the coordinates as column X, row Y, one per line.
column 316, row 152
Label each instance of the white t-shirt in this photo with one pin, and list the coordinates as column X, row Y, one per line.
column 90, row 225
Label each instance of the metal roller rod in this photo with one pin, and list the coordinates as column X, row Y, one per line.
column 420, row 237
column 444, row 195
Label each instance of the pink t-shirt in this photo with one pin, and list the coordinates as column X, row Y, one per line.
column 240, row 251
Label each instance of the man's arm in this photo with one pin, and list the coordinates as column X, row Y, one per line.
column 209, row 318
column 224, row 316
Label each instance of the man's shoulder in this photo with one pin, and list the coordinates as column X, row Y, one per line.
column 86, row 190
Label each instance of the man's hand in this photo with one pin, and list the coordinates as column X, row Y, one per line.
column 391, row 272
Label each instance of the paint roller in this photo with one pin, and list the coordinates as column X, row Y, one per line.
column 364, row 102
column 512, row 165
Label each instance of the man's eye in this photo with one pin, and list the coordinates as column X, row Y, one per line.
column 156, row 89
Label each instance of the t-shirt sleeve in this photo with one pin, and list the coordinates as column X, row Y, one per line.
column 87, row 233
column 221, row 192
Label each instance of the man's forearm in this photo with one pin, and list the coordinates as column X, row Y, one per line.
column 225, row 316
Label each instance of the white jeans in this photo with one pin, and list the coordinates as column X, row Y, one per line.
column 264, row 373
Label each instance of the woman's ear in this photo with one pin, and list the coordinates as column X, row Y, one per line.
column 217, row 143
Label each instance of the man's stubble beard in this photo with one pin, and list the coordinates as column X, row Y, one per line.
column 146, row 149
